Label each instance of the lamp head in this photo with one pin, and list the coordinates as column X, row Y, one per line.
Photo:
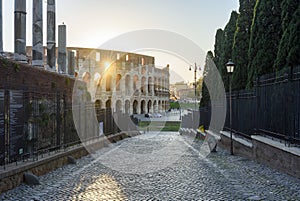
column 230, row 66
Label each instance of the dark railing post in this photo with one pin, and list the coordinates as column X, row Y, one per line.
column 64, row 121
column 58, row 120
column 6, row 125
column 230, row 116
column 256, row 88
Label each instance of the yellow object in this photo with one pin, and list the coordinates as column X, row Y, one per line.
column 201, row 128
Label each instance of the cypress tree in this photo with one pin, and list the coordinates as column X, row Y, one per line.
column 205, row 94
column 288, row 8
column 288, row 51
column 223, row 46
column 219, row 48
column 264, row 39
column 293, row 57
column 241, row 44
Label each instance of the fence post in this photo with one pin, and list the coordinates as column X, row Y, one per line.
column 256, row 88
column 7, row 130
column 58, row 120
column 64, row 120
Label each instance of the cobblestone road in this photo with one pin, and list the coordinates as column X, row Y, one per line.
column 163, row 166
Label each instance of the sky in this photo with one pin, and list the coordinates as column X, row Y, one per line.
column 90, row 23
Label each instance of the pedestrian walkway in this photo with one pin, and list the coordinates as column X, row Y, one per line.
column 161, row 166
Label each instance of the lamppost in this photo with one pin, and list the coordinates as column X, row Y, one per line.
column 195, row 82
column 230, row 68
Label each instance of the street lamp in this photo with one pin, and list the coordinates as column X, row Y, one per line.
column 195, row 81
column 230, row 68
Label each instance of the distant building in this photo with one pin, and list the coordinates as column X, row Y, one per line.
column 182, row 90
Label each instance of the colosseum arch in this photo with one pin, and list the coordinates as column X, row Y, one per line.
column 98, row 104
column 108, row 104
column 143, row 70
column 159, row 106
column 135, row 82
column 108, row 82
column 150, row 85
column 119, row 106
column 118, row 79
column 143, row 107
column 143, row 85
column 163, row 104
column 127, row 107
column 135, row 106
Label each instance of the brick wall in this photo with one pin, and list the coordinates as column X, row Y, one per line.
column 14, row 75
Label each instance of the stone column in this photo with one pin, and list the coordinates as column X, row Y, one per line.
column 37, row 33
column 153, row 87
column 71, row 63
column 20, row 30
column 130, row 93
column 139, row 85
column 138, row 109
column 146, row 85
column 51, row 44
column 62, row 49
column 130, row 108
column 113, row 85
column 122, row 87
column 1, row 27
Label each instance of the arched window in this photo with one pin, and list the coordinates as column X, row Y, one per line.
column 108, row 82
column 108, row 104
column 118, row 78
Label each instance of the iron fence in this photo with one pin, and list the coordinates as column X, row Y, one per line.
column 33, row 124
column 271, row 108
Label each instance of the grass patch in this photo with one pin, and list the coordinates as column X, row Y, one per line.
column 159, row 126
column 185, row 106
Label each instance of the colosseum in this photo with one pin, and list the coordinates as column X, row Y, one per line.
column 126, row 82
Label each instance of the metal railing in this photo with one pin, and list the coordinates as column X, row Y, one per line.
column 271, row 108
column 33, row 125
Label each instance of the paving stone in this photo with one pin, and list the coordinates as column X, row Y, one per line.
column 188, row 176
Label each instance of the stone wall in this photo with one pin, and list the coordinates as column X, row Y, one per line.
column 276, row 158
column 238, row 147
column 266, row 151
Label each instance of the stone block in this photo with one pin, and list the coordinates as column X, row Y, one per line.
column 71, row 160
column 31, row 179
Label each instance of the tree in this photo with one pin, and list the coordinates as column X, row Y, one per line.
column 289, row 48
column 223, row 46
column 264, row 39
column 241, row 44
column 205, row 93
